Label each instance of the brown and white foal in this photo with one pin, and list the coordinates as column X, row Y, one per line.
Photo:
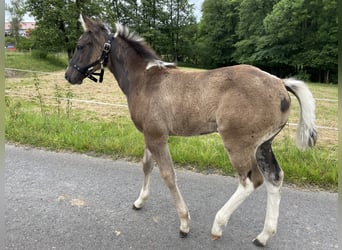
column 245, row 105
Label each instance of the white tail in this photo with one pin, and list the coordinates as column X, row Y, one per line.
column 306, row 131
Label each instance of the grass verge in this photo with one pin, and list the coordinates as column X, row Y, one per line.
column 120, row 139
column 27, row 61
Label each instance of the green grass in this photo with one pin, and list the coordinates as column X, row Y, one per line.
column 120, row 139
column 57, row 127
column 58, row 132
column 25, row 61
column 315, row 166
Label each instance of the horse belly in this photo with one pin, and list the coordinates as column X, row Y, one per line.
column 191, row 126
column 193, row 116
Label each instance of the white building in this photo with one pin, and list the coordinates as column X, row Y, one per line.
column 24, row 28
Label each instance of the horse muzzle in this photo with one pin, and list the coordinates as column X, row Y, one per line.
column 73, row 76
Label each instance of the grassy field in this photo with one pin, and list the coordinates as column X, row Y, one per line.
column 29, row 61
column 37, row 115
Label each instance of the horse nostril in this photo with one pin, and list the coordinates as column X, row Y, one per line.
column 67, row 77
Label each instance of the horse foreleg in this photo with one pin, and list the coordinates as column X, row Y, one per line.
column 161, row 154
column 145, row 190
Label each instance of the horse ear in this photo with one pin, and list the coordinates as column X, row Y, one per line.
column 86, row 22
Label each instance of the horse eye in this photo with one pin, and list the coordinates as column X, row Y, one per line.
column 79, row 47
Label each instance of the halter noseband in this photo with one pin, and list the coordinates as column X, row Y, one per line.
column 87, row 71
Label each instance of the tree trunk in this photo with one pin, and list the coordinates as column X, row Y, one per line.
column 70, row 53
column 327, row 76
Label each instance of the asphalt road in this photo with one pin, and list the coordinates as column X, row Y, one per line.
column 74, row 201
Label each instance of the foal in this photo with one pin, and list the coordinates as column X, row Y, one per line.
column 246, row 106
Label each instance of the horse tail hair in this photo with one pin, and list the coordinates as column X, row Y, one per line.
column 306, row 131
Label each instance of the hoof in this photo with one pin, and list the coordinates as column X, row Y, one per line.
column 215, row 237
column 258, row 243
column 183, row 234
column 136, row 208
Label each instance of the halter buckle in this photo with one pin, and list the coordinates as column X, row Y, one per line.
column 106, row 47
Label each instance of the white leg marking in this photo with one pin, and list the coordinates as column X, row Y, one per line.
column 145, row 190
column 183, row 211
column 272, row 213
column 223, row 215
column 169, row 177
column 144, row 193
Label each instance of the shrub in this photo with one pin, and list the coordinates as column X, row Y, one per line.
column 40, row 54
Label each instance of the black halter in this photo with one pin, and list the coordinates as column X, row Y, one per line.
column 88, row 71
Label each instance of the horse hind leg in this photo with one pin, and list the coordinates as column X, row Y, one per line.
column 145, row 190
column 222, row 217
column 249, row 179
column 273, row 176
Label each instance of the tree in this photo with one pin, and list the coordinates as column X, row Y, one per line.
column 303, row 34
column 163, row 23
column 217, row 32
column 151, row 23
column 17, row 11
column 284, row 37
column 57, row 22
column 180, row 16
column 250, row 29
column 121, row 11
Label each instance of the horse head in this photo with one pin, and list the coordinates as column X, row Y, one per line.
column 91, row 53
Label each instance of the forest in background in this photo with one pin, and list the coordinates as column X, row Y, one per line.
column 284, row 37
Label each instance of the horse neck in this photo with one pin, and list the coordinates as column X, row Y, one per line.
column 126, row 66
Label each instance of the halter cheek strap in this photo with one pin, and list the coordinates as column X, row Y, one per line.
column 88, row 71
